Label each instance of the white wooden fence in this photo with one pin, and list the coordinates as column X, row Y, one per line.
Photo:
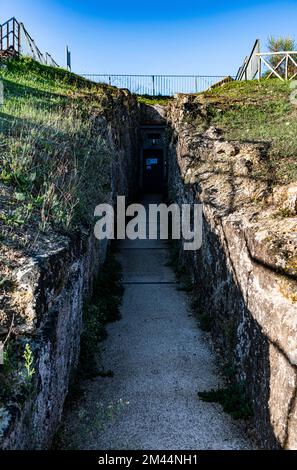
column 262, row 65
column 285, row 68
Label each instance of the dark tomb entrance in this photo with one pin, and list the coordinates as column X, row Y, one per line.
column 153, row 170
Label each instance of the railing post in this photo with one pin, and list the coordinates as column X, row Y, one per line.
column 7, row 35
column 19, row 38
column 259, row 67
column 13, row 34
column 153, row 77
column 286, row 66
column 196, row 85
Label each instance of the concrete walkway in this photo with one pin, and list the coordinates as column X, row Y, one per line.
column 160, row 359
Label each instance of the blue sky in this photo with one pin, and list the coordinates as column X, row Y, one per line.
column 158, row 36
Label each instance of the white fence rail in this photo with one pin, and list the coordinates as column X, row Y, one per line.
column 284, row 67
column 280, row 64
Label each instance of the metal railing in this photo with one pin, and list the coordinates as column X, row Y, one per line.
column 280, row 64
column 15, row 40
column 158, row 85
column 10, row 35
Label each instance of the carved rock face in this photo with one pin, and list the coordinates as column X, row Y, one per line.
column 246, row 269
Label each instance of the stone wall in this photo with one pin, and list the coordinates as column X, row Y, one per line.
column 55, row 280
column 245, row 272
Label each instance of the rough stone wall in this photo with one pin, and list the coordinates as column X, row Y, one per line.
column 55, row 281
column 245, row 271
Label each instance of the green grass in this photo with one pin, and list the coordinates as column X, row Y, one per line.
column 152, row 100
column 257, row 111
column 17, row 371
column 50, row 144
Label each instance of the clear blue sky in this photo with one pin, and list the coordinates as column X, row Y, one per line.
column 157, row 36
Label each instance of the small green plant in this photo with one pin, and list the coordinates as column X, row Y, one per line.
column 233, row 399
column 284, row 212
column 16, row 217
column 29, row 370
column 97, row 419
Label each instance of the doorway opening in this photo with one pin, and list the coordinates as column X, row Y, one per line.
column 153, row 170
column 153, row 159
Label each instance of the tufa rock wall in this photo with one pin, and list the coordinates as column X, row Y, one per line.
column 54, row 281
column 245, row 272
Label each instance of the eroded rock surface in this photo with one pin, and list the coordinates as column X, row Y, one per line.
column 246, row 268
column 52, row 275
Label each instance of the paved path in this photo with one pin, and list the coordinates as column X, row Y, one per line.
column 160, row 359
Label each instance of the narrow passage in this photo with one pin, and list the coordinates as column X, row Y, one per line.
column 159, row 359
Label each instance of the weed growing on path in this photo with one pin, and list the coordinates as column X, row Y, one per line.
column 233, row 399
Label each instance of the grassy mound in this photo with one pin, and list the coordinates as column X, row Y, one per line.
column 258, row 111
column 50, row 144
